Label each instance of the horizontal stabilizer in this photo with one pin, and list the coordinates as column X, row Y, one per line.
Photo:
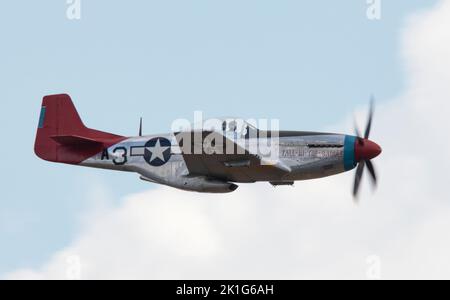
column 75, row 140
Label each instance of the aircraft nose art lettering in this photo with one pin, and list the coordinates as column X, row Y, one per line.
column 63, row 138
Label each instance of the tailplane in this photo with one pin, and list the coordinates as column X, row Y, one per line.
column 62, row 136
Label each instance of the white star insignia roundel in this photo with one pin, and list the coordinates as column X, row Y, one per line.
column 157, row 151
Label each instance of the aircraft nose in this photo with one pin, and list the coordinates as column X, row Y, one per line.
column 366, row 150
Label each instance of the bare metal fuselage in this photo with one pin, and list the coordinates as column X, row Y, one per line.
column 306, row 155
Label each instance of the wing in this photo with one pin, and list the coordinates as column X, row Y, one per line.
column 237, row 164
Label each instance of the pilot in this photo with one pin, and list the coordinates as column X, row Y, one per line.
column 233, row 128
column 246, row 133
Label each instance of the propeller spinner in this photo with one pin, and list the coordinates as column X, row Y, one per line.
column 365, row 150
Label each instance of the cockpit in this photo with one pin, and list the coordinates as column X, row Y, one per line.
column 238, row 128
column 230, row 127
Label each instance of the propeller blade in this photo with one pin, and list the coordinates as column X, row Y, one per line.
column 140, row 127
column 358, row 176
column 358, row 135
column 372, row 172
column 369, row 120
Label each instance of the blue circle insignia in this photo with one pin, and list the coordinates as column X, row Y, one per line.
column 157, row 151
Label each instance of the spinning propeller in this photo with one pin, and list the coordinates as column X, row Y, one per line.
column 365, row 150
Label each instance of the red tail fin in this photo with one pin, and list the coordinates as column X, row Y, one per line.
column 62, row 136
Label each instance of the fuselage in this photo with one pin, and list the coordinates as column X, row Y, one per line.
column 308, row 155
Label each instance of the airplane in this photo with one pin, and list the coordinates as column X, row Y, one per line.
column 184, row 159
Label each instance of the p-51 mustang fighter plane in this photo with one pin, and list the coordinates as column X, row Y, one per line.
column 196, row 160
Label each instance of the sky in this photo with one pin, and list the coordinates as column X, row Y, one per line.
column 310, row 64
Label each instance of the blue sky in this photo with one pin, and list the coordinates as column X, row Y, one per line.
column 306, row 63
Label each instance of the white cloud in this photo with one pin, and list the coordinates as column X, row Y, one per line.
column 312, row 230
